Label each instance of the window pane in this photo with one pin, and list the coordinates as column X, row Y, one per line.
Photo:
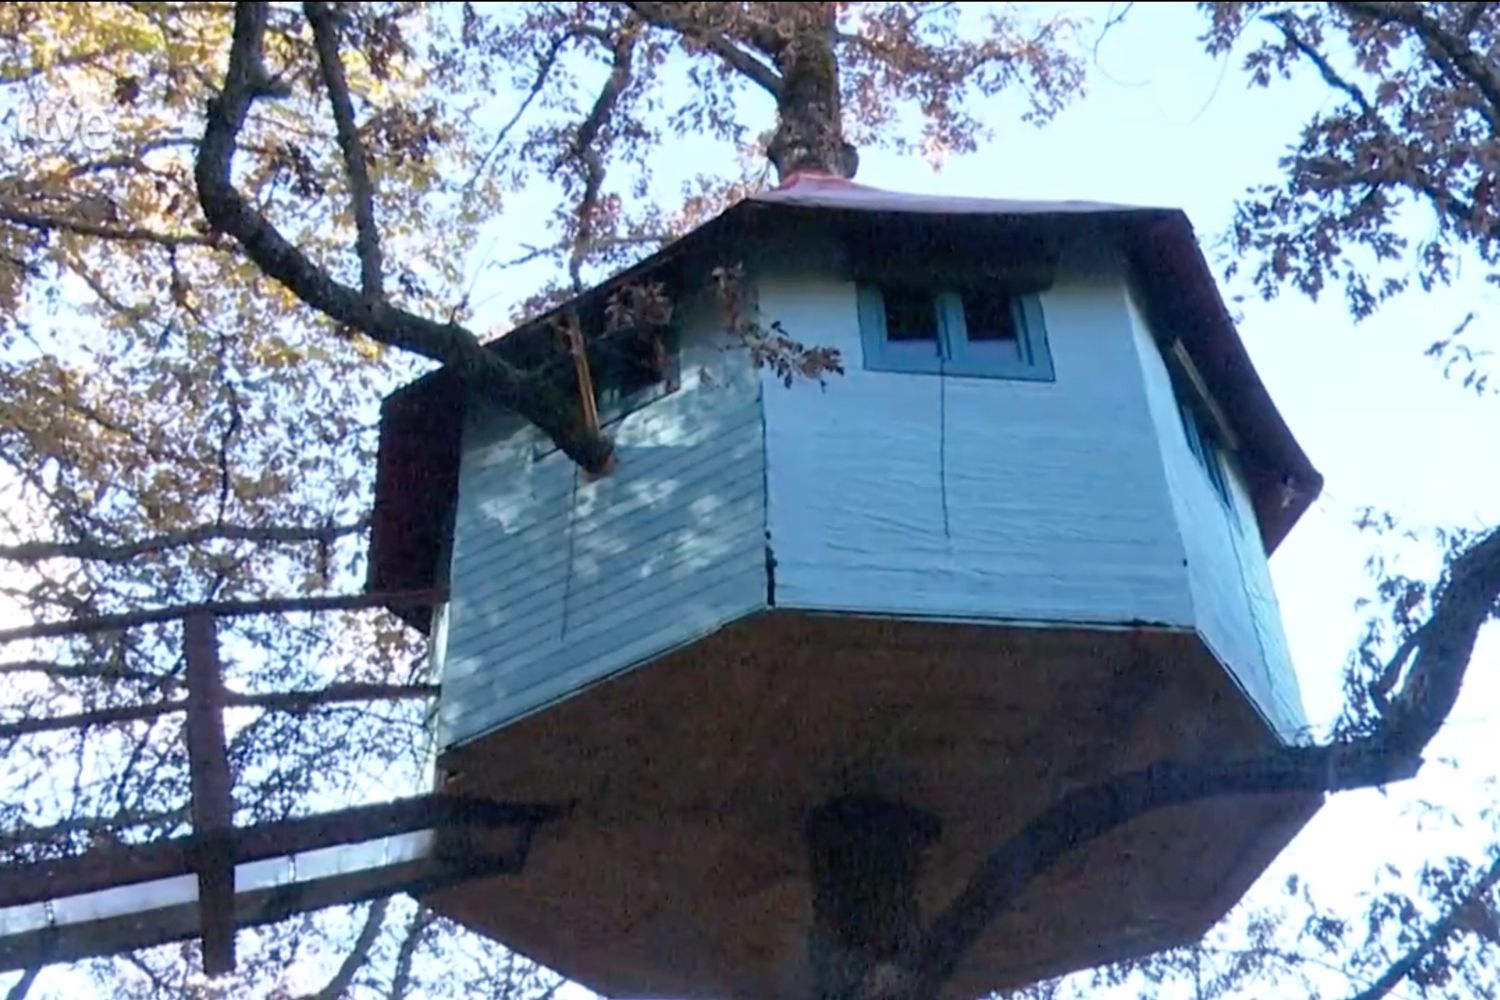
column 622, row 367
column 910, row 315
column 989, row 317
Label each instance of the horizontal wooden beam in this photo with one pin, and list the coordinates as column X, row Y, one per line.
column 120, row 933
column 219, row 609
column 109, row 868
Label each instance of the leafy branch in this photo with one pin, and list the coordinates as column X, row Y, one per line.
column 246, row 80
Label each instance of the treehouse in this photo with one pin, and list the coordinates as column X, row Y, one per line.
column 1017, row 546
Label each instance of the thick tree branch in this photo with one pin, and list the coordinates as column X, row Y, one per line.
column 714, row 41
column 245, row 81
column 361, row 189
column 293, row 702
column 1452, row 49
column 72, row 671
column 358, row 955
column 22, row 987
column 583, row 151
column 1391, row 752
column 334, row 694
column 227, row 609
column 31, row 552
column 122, row 234
column 416, row 928
column 1448, row 925
column 1473, row 14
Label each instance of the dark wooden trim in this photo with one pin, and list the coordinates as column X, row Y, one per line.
column 110, row 868
column 212, row 855
column 112, row 935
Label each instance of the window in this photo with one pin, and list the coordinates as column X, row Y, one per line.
column 1204, row 446
column 628, row 373
column 981, row 332
column 634, row 373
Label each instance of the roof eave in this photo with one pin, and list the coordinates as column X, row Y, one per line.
column 421, row 423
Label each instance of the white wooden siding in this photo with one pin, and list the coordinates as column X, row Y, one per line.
column 1234, row 606
column 559, row 581
column 973, row 497
column 1076, row 501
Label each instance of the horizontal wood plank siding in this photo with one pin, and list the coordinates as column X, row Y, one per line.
column 916, row 494
column 559, row 581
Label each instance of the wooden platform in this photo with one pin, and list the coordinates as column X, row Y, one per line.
column 681, row 869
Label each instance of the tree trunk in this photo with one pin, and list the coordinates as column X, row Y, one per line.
column 809, row 133
column 864, row 857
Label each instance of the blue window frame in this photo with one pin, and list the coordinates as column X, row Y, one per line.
column 1205, row 447
column 976, row 332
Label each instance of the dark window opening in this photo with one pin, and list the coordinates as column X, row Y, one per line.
column 970, row 332
column 989, row 317
column 909, row 315
column 633, row 370
column 1205, row 448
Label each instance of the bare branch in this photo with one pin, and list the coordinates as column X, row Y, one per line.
column 358, row 955
column 88, row 720
column 415, row 929
column 123, row 234
column 293, row 702
column 623, row 48
column 361, row 190
column 1452, row 50
column 227, row 609
column 51, row 833
column 716, row 42
column 73, row 671
column 31, row 552
column 23, row 985
column 1331, row 76
column 603, row 243
column 1443, row 201
column 549, row 60
column 1450, row 923
column 334, row 694
column 227, row 211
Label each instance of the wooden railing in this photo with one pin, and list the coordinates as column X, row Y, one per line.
column 73, row 908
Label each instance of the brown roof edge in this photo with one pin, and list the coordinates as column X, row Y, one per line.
column 1183, row 297
column 416, row 489
column 416, row 483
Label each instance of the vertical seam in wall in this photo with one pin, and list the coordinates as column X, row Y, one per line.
column 765, row 488
column 943, row 349
column 567, row 593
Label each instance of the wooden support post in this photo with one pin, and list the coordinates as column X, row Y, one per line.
column 864, row 855
column 212, row 802
column 572, row 335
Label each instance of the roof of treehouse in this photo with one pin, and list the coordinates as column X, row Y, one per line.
column 421, row 423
